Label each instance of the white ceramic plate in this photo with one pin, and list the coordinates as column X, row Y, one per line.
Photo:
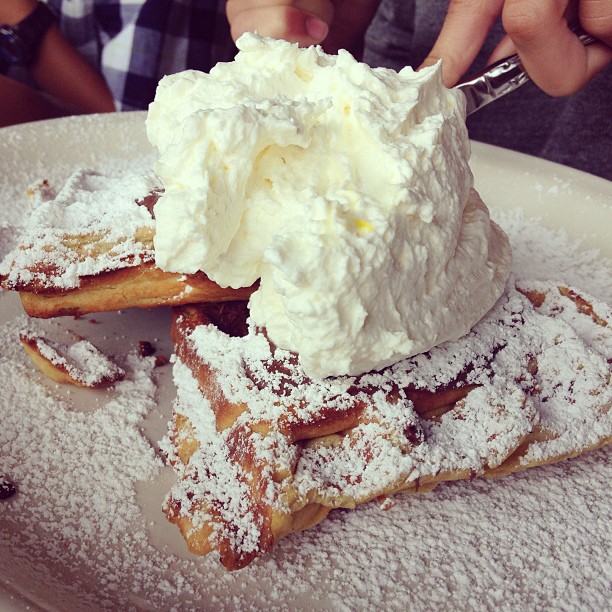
column 72, row 540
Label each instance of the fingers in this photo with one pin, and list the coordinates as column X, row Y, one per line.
column 596, row 18
column 552, row 55
column 504, row 48
column 465, row 28
column 305, row 22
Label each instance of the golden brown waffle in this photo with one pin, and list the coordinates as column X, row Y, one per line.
column 79, row 255
column 261, row 450
column 80, row 364
column 136, row 286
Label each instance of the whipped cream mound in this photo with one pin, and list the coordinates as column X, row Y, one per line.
column 345, row 189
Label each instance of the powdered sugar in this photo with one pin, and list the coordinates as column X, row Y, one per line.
column 536, row 539
column 55, row 251
column 536, row 375
column 542, row 253
column 223, row 479
column 60, row 458
column 81, row 361
column 267, row 385
column 8, row 239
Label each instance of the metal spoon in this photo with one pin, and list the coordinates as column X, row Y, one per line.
column 501, row 78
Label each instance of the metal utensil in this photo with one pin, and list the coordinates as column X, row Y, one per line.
column 501, row 78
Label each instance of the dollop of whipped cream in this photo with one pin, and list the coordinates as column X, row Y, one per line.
column 345, row 189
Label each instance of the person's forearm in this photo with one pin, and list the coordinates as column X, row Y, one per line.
column 13, row 11
column 63, row 73
column 20, row 103
column 58, row 69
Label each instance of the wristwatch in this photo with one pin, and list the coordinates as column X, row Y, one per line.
column 19, row 43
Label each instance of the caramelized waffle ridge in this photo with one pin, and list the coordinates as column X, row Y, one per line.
column 262, row 450
column 106, row 262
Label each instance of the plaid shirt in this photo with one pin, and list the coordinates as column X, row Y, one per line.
column 133, row 43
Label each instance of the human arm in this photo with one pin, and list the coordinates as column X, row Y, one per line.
column 20, row 104
column 538, row 30
column 337, row 24
column 58, row 70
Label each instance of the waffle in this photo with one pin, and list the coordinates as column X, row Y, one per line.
column 261, row 451
column 80, row 364
column 89, row 248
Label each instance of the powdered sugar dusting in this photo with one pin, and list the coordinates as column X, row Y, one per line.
column 537, row 375
column 541, row 253
column 72, row 235
column 536, row 539
column 81, row 361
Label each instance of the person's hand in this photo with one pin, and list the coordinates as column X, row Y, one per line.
column 335, row 24
column 538, row 30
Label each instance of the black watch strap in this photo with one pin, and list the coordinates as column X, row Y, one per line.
column 34, row 26
column 22, row 41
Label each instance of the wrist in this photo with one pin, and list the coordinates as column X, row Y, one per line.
column 20, row 42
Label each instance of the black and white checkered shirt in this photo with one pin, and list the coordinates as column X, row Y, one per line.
column 133, row 43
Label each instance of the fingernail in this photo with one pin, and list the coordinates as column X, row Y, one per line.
column 316, row 28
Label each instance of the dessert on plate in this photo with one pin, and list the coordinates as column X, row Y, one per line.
column 80, row 363
column 385, row 348
column 346, row 324
column 262, row 450
column 89, row 248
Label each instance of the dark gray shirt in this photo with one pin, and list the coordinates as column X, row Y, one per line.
column 574, row 130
